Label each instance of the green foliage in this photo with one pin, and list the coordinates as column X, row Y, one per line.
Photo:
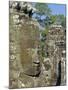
column 63, row 20
column 53, row 18
column 43, row 9
column 42, row 42
column 48, row 22
column 44, row 33
column 60, row 18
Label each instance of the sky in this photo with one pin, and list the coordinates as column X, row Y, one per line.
column 58, row 8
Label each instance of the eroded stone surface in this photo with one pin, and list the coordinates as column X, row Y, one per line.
column 26, row 67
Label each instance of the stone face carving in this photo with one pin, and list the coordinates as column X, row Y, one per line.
column 35, row 69
column 47, row 65
column 56, row 48
column 26, row 40
column 27, row 69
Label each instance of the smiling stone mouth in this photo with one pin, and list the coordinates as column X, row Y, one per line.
column 34, row 70
column 36, row 62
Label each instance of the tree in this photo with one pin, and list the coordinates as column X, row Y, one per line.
column 43, row 9
column 60, row 18
column 53, row 18
column 47, row 22
column 42, row 12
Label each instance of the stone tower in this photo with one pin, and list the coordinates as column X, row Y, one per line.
column 56, row 44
